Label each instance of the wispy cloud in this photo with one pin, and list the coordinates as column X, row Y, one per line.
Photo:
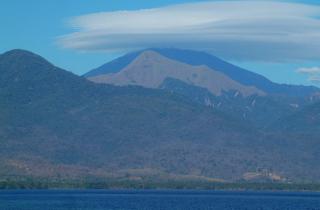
column 312, row 72
column 315, row 79
column 246, row 30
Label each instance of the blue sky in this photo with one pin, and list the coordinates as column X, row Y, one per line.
column 48, row 28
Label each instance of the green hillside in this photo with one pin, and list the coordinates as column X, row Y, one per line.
column 54, row 124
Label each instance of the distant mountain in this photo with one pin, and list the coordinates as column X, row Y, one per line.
column 150, row 69
column 196, row 58
column 207, row 80
column 56, row 125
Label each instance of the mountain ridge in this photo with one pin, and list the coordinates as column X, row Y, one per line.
column 205, row 85
column 66, row 121
column 197, row 58
column 150, row 69
column 54, row 124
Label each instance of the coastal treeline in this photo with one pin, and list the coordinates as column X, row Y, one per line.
column 32, row 183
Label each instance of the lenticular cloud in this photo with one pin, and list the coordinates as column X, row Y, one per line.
column 246, row 30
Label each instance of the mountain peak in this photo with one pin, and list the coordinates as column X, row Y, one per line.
column 198, row 58
column 23, row 56
column 20, row 53
column 150, row 56
column 23, row 60
column 150, row 69
column 24, row 68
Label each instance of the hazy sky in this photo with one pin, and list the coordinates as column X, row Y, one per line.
column 279, row 39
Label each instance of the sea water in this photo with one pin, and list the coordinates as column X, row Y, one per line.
column 156, row 200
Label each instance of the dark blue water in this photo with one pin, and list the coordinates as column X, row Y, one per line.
column 157, row 200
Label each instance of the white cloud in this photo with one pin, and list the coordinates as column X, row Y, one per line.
column 246, row 30
column 312, row 72
column 315, row 79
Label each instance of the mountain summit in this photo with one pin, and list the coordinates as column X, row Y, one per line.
column 150, row 69
column 196, row 59
column 209, row 81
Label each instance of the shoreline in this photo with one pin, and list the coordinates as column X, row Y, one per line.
column 129, row 185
